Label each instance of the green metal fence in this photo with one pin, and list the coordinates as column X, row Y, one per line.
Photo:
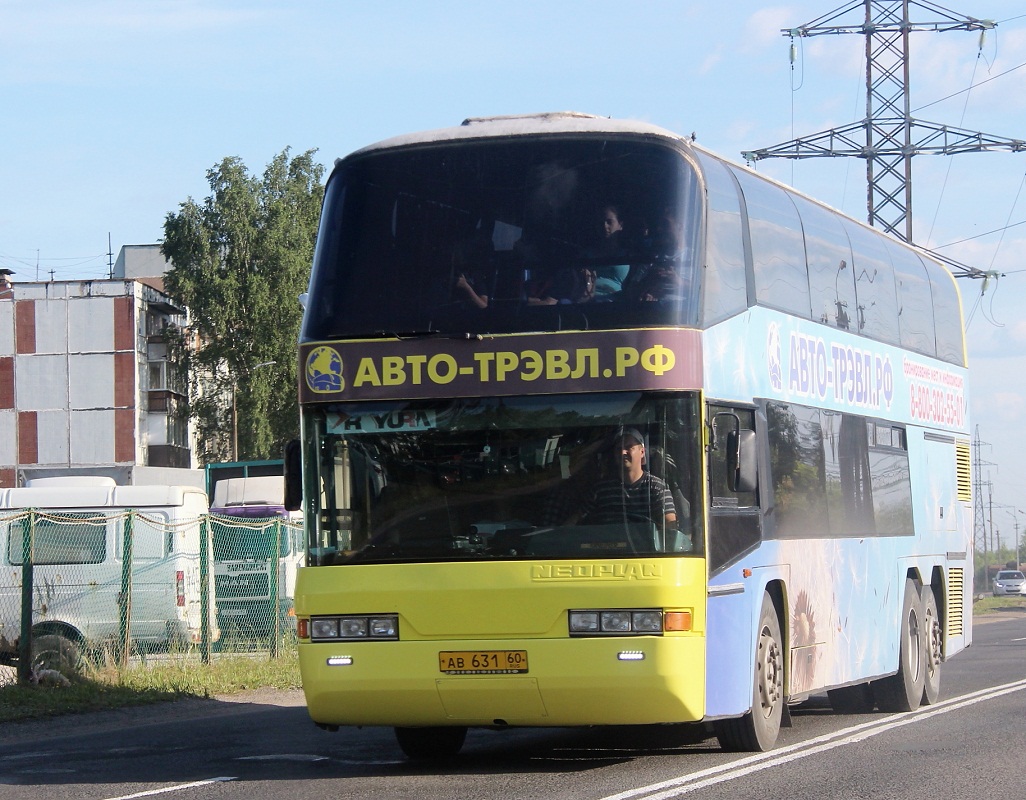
column 255, row 563
column 108, row 586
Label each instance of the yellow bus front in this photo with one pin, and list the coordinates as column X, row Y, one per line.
column 528, row 643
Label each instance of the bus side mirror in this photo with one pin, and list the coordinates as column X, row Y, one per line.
column 293, row 470
column 741, row 460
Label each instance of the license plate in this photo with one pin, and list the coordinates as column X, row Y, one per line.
column 482, row 662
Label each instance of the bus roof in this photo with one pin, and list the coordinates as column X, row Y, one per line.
column 525, row 125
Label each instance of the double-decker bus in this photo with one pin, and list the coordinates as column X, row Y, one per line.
column 599, row 428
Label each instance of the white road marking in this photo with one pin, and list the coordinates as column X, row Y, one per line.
column 284, row 757
column 169, row 789
column 774, row 758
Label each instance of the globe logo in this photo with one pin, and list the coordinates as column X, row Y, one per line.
column 324, row 370
column 773, row 358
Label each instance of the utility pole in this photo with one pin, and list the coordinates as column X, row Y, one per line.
column 996, row 540
column 1015, row 512
column 889, row 136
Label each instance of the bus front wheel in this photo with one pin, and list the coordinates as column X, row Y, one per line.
column 757, row 730
column 904, row 690
column 431, row 744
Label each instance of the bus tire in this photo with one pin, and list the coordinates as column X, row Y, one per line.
column 934, row 647
column 757, row 730
column 431, row 744
column 857, row 699
column 903, row 691
column 52, row 651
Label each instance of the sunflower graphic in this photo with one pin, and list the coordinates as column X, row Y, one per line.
column 803, row 644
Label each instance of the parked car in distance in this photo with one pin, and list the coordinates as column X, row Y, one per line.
column 1009, row 581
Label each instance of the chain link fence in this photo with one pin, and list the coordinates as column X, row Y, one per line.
column 111, row 586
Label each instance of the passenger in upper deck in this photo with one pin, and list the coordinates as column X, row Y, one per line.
column 669, row 235
column 667, row 277
column 469, row 290
column 565, row 286
column 609, row 278
column 663, row 282
column 469, row 259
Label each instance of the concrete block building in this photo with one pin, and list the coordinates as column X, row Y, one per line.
column 86, row 387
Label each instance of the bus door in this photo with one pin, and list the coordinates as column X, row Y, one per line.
column 735, row 528
column 735, row 522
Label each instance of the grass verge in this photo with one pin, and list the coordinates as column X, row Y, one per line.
column 166, row 679
column 988, row 605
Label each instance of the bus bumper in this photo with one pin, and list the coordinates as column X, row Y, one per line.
column 600, row 681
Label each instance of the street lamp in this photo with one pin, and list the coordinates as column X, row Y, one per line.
column 235, row 412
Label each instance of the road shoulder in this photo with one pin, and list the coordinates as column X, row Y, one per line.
column 184, row 710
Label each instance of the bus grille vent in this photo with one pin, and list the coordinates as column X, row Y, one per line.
column 956, row 598
column 965, row 480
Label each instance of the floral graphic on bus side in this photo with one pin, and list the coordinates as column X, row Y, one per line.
column 773, row 357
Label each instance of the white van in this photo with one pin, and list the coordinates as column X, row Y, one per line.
column 82, row 526
column 249, row 525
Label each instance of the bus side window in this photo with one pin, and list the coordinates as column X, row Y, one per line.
column 735, row 521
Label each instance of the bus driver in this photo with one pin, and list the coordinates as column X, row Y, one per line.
column 634, row 493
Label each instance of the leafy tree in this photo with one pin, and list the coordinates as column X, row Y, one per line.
column 239, row 262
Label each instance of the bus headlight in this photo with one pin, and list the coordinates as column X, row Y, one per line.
column 616, row 622
column 324, row 629
column 355, row 627
column 647, row 621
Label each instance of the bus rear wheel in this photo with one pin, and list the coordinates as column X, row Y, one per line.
column 934, row 647
column 431, row 744
column 903, row 691
column 757, row 730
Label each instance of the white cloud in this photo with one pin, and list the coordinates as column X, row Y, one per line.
column 763, row 28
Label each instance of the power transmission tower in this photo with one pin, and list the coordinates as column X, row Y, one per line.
column 889, row 136
column 979, row 516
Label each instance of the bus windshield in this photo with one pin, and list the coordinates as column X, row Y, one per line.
column 507, row 235
column 506, row 478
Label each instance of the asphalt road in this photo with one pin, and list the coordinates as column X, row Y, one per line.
column 262, row 745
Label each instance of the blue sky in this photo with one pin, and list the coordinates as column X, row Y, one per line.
column 113, row 111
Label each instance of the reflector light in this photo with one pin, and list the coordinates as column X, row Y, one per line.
column 180, row 589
